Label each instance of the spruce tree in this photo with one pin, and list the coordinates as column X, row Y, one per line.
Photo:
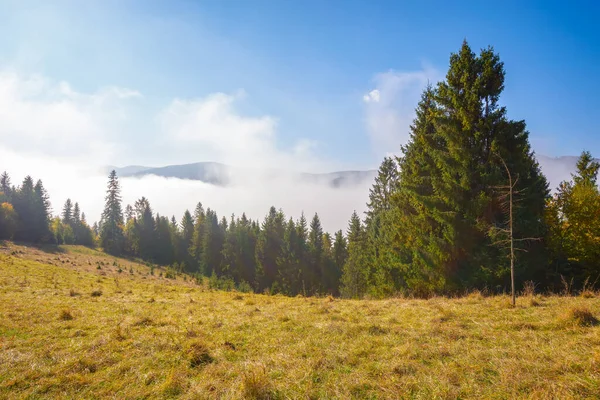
column 195, row 248
column 355, row 273
column 450, row 170
column 187, row 234
column 67, row 212
column 269, row 250
column 111, row 231
column 5, row 186
column 316, row 248
column 42, row 211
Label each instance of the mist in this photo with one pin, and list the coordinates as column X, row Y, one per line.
column 252, row 193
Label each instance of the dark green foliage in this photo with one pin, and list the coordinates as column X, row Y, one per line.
column 270, row 250
column 355, row 271
column 111, row 227
column 573, row 216
column 448, row 198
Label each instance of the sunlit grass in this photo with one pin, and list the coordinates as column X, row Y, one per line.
column 69, row 329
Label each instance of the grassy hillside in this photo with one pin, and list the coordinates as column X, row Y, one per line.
column 72, row 326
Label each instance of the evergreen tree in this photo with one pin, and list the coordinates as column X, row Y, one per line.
column 129, row 213
column 145, row 229
column 67, row 213
column 447, row 199
column 187, row 235
column 24, row 205
column 5, row 186
column 111, row 235
column 289, row 264
column 76, row 214
column 382, row 261
column 355, row 272
column 302, row 255
column 269, row 250
column 315, row 246
column 198, row 236
column 248, row 233
column 163, row 252
column 340, row 253
column 42, row 212
column 212, row 245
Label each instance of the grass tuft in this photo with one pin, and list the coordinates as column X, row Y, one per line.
column 256, row 384
column 66, row 315
column 580, row 316
column 199, row 355
column 174, row 385
column 96, row 293
column 588, row 294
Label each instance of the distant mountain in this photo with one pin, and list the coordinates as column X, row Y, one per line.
column 128, row 170
column 223, row 175
column 556, row 170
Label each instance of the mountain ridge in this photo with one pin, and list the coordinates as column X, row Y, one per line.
column 556, row 169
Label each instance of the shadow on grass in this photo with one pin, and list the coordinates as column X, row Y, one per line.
column 45, row 247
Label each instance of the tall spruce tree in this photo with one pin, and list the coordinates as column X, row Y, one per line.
column 270, row 250
column 316, row 254
column 382, row 262
column 67, row 212
column 355, row 272
column 5, row 186
column 111, row 231
column 450, row 170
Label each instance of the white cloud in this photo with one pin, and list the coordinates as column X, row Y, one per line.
column 213, row 129
column 38, row 116
column 56, row 133
column 372, row 96
column 389, row 108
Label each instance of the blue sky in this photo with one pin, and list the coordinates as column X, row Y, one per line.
column 308, row 64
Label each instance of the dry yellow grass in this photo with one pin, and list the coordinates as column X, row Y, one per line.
column 71, row 330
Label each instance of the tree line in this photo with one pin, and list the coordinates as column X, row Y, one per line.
column 437, row 220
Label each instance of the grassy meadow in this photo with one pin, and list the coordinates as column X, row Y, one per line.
column 77, row 323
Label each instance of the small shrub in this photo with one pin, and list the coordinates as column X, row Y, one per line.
column 96, row 293
column 66, row 315
column 199, row 355
column 580, row 316
column 73, row 293
column 98, row 267
column 119, row 270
